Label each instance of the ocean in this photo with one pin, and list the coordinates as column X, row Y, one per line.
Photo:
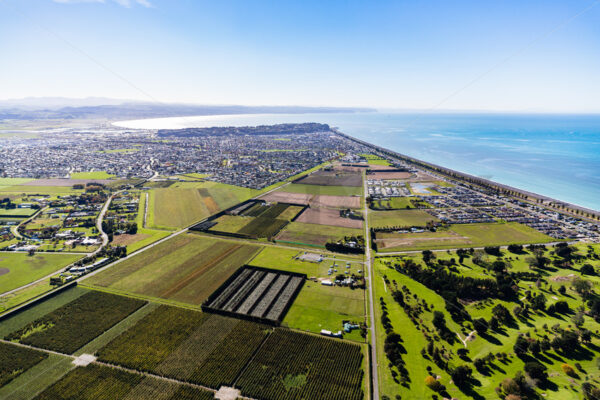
column 553, row 155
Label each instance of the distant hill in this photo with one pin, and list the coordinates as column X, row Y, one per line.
column 113, row 109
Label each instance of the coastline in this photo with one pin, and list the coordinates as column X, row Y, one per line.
column 465, row 143
column 526, row 195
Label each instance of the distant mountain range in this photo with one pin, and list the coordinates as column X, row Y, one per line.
column 114, row 109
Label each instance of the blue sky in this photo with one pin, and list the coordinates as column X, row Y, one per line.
column 385, row 54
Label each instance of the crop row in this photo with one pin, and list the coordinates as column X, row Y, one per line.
column 256, row 293
column 243, row 291
column 71, row 326
column 263, row 227
column 268, row 298
column 225, row 362
column 284, row 298
column 230, row 289
column 96, row 382
column 15, row 360
column 293, row 365
column 205, row 349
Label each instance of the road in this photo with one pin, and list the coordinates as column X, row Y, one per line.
column 370, row 277
column 104, row 243
column 99, row 222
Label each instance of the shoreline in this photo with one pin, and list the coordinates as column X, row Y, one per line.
column 547, row 201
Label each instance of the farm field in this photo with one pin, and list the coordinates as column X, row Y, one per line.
column 28, row 189
column 462, row 235
column 95, row 382
column 92, row 175
column 327, row 216
column 185, row 269
column 374, row 159
column 263, row 294
column 313, row 200
column 14, row 181
column 294, row 365
column 69, row 327
column 207, row 349
column 287, row 260
column 20, row 296
column 15, row 360
column 313, row 234
column 332, row 178
column 184, row 203
column 17, row 212
column 323, row 190
column 18, row 269
column 399, row 218
column 325, row 307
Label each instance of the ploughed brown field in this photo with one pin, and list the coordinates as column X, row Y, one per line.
column 313, row 200
column 328, row 216
column 332, row 178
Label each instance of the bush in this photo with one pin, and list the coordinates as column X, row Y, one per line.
column 433, row 384
column 567, row 369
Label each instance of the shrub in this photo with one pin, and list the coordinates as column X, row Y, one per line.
column 567, row 369
column 433, row 384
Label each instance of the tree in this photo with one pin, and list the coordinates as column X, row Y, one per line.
column 587, row 269
column 539, row 302
column 521, row 346
column 561, row 307
column 428, row 256
column 439, row 321
column 582, row 286
column 510, row 386
column 461, row 375
column 562, row 290
column 534, row 347
column 501, row 313
column 535, row 370
column 480, row 325
column 578, row 319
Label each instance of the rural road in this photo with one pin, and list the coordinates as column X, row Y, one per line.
column 99, row 222
column 369, row 268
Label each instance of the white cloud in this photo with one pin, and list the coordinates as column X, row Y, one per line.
column 124, row 3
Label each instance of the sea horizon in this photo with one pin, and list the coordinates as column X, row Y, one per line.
column 555, row 155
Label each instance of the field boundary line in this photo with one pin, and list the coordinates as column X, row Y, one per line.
column 237, row 378
column 157, row 300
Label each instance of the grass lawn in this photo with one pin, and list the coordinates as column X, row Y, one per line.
column 392, row 218
column 18, row 269
column 14, row 181
column 535, row 326
column 17, row 212
column 185, row 269
column 463, row 235
column 21, row 296
column 325, row 307
column 285, row 260
column 184, row 203
column 92, row 175
column 375, row 160
column 55, row 190
column 327, row 190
